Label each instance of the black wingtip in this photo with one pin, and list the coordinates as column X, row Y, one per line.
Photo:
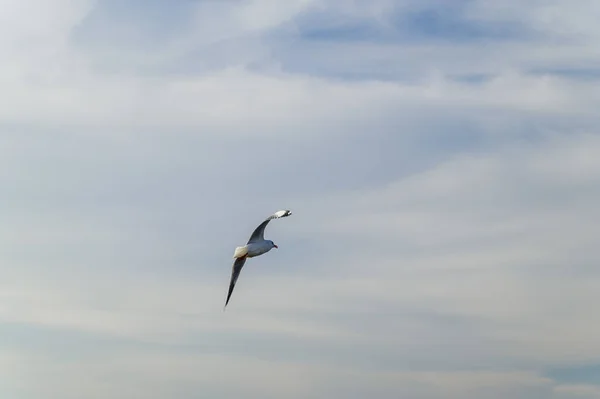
column 231, row 287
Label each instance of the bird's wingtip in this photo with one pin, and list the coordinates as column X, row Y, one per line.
column 283, row 213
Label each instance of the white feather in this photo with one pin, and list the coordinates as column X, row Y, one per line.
column 281, row 213
column 240, row 251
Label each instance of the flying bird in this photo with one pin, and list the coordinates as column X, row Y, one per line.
column 256, row 246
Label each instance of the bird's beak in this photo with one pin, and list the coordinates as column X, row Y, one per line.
column 275, row 245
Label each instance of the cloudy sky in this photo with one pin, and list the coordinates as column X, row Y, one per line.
column 441, row 158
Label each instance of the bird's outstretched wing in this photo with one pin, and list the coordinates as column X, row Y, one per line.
column 235, row 272
column 258, row 234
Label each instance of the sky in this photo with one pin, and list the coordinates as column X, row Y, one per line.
column 441, row 159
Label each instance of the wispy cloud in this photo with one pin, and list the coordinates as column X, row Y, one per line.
column 441, row 160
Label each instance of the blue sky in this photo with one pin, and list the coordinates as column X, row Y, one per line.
column 441, row 159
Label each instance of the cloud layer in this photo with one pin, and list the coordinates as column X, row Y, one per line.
column 441, row 160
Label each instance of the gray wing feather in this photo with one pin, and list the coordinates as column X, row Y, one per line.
column 259, row 232
column 235, row 273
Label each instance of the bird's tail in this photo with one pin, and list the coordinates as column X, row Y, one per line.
column 240, row 252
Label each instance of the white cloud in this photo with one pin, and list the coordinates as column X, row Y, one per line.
column 450, row 226
column 503, row 238
column 126, row 375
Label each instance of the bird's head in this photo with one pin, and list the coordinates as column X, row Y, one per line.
column 273, row 245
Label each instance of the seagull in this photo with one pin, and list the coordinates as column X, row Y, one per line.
column 256, row 246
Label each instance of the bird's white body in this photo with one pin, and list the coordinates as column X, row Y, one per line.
column 253, row 249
